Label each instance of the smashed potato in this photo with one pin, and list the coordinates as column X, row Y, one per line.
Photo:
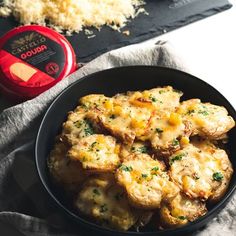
column 145, row 182
column 165, row 99
column 106, row 202
column 77, row 126
column 181, row 210
column 207, row 120
column 201, row 171
column 96, row 152
column 143, row 156
column 165, row 132
column 64, row 171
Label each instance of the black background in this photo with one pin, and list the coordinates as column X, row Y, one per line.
column 162, row 18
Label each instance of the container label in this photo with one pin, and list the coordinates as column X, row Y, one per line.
column 37, row 50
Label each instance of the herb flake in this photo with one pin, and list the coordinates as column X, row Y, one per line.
column 96, row 192
column 153, row 99
column 112, row 116
column 177, row 158
column 175, row 142
column 142, row 149
column 103, row 208
column 156, row 168
column 203, row 112
column 144, row 175
column 159, row 131
column 217, row 176
column 126, row 168
column 189, row 112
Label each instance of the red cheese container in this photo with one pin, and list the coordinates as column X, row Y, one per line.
column 33, row 59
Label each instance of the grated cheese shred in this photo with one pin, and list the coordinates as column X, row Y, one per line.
column 73, row 15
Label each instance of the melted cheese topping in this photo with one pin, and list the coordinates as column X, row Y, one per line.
column 77, row 126
column 132, row 116
column 106, row 202
column 145, row 181
column 165, row 135
column 96, row 152
column 121, row 119
column 92, row 101
column 180, row 210
column 207, row 120
column 193, row 169
column 162, row 99
column 66, row 172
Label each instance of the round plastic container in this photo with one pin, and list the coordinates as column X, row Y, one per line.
column 33, row 59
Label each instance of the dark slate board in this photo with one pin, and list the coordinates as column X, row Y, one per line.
column 164, row 16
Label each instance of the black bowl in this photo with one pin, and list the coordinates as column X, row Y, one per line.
column 110, row 82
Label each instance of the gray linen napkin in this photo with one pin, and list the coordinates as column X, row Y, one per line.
column 24, row 205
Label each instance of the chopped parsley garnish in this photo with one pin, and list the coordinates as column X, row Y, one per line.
column 159, row 131
column 203, row 112
column 177, row 158
column 161, row 91
column 189, row 112
column 103, row 208
column 126, row 168
column 92, row 146
column 142, row 149
column 196, row 176
column 89, row 129
column 95, row 191
column 144, row 175
column 217, row 176
column 182, row 217
column 175, row 142
column 156, row 168
column 153, row 99
column 112, row 116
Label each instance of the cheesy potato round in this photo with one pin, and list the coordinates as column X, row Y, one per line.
column 96, row 152
column 207, row 120
column 77, row 126
column 202, row 171
column 106, row 202
column 181, row 210
column 66, row 172
column 143, row 156
column 145, row 181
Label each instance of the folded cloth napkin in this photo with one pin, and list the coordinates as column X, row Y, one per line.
column 24, row 204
